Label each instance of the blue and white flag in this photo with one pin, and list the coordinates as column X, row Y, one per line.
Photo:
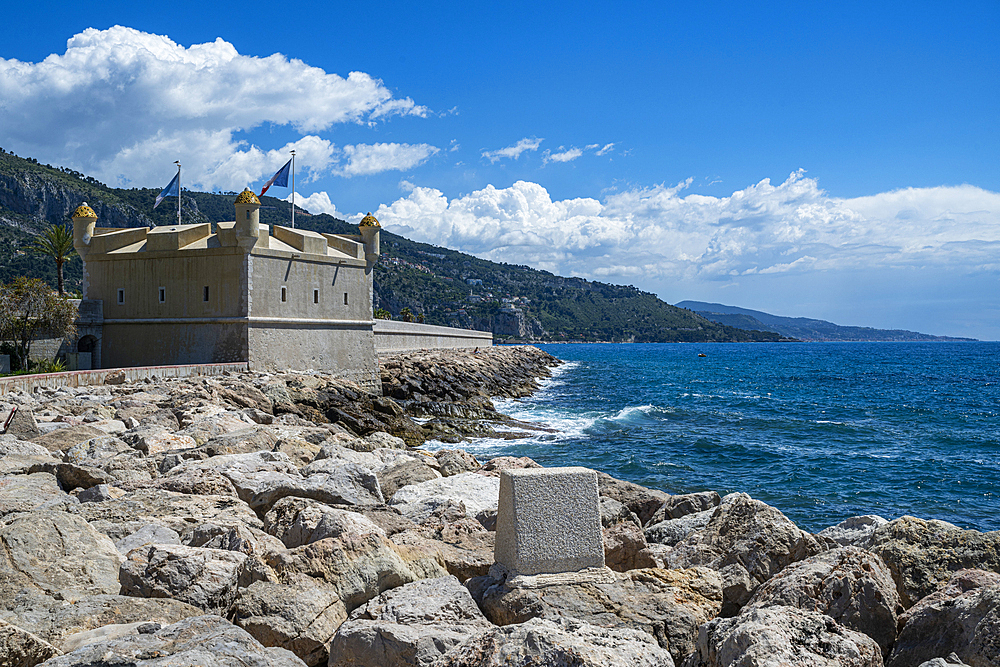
column 172, row 190
column 280, row 179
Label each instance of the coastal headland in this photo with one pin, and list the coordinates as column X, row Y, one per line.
column 292, row 518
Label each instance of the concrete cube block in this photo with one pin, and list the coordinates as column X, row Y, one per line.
column 548, row 521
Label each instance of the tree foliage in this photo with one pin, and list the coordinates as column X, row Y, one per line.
column 55, row 241
column 28, row 309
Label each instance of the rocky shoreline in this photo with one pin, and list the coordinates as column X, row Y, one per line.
column 290, row 519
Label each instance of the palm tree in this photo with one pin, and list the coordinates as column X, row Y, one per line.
column 56, row 241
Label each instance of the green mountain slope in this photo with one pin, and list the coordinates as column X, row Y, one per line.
column 803, row 328
column 444, row 286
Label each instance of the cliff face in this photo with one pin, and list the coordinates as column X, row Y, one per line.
column 36, row 199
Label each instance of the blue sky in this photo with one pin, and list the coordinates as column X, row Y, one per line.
column 833, row 160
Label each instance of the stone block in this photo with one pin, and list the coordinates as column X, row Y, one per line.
column 548, row 521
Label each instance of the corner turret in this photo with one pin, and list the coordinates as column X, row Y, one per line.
column 247, row 225
column 84, row 223
column 369, row 229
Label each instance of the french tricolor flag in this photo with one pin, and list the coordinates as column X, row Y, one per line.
column 280, row 179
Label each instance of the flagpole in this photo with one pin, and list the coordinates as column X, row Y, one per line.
column 293, row 189
column 177, row 162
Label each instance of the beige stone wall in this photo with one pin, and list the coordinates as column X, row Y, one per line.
column 312, row 328
column 165, row 343
column 182, row 274
column 347, row 350
column 302, row 277
column 393, row 336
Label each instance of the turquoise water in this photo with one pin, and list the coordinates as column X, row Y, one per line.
column 822, row 431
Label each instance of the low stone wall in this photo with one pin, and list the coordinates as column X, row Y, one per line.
column 84, row 378
column 392, row 336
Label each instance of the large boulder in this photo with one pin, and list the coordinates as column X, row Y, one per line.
column 458, row 543
column 644, row 502
column 961, row 617
column 247, row 473
column 358, row 567
column 300, row 521
column 24, row 493
column 20, row 648
column 410, row 625
column 178, row 511
column 55, row 553
column 625, row 547
column 404, row 473
column 924, row 554
column 748, row 542
column 671, row 531
column 199, row 641
column 785, row 636
column 682, row 505
column 668, row 605
column 557, row 642
column 477, row 493
column 205, row 578
column 300, row 618
column 57, row 621
column 856, row 531
column 850, row 585
column 347, row 484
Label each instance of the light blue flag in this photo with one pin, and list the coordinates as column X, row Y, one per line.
column 172, row 190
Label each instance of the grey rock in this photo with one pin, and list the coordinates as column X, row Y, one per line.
column 682, row 505
column 96, row 452
column 850, row 585
column 358, row 568
column 951, row 661
column 202, row 641
column 65, row 438
column 410, row 625
column 856, row 531
column 97, row 494
column 300, row 521
column 613, row 512
column 785, row 636
column 24, row 493
column 668, row 605
column 381, row 440
column 20, row 648
column 456, row 461
column 243, row 441
column 247, row 473
column 748, row 542
column 404, row 473
column 56, row 620
column 11, row 445
column 672, row 531
column 625, row 547
column 924, row 554
column 348, row 484
column 477, row 493
column 149, row 534
column 557, row 642
column 204, row 578
column 177, row 511
column 302, row 619
column 72, row 476
column 22, row 425
column 53, row 553
column 961, row 617
column 640, row 500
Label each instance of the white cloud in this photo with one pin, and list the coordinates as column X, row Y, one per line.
column 513, row 152
column 607, row 147
column 364, row 159
column 121, row 105
column 562, row 155
column 662, row 235
column 316, row 203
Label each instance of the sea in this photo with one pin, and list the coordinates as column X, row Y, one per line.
column 822, row 431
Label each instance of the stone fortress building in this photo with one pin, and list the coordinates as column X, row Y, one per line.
column 277, row 299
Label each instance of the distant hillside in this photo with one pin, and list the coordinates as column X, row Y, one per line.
column 803, row 328
column 444, row 286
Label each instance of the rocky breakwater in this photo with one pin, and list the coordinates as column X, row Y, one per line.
column 283, row 519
